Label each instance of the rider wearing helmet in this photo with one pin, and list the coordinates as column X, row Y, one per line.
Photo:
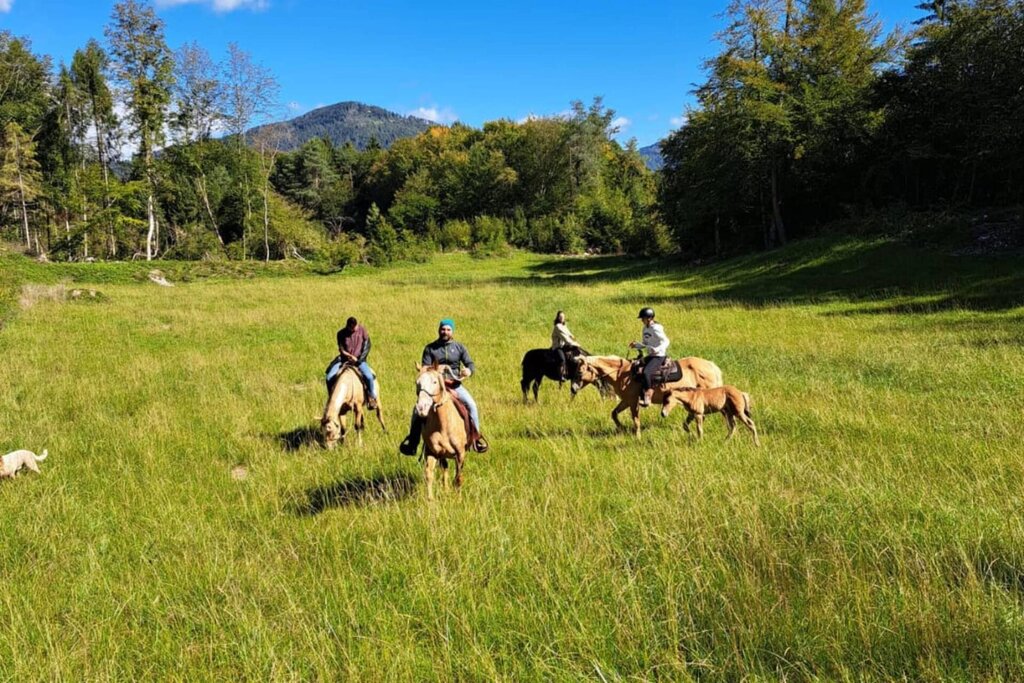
column 654, row 343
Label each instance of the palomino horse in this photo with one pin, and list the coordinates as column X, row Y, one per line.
column 348, row 396
column 697, row 372
column 444, row 432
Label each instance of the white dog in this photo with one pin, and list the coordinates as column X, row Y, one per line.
column 14, row 461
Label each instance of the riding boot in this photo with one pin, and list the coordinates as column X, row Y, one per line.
column 645, row 398
column 411, row 444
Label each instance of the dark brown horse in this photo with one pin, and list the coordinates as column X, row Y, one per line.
column 541, row 363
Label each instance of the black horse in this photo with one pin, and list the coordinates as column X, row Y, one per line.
column 541, row 363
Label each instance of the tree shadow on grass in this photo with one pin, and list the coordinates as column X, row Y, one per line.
column 353, row 492
column 300, row 437
column 898, row 277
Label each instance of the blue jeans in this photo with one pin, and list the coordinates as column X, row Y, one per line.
column 371, row 378
column 464, row 396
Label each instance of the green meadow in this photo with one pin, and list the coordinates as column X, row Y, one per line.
column 188, row 525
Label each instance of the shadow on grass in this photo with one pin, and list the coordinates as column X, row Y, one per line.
column 813, row 271
column 300, row 437
column 354, row 492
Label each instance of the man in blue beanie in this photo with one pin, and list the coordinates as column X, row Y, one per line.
column 446, row 351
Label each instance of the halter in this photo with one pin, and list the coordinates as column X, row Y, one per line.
column 434, row 402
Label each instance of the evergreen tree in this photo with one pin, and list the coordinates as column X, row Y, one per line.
column 20, row 176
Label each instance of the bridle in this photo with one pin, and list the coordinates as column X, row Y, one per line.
column 443, row 393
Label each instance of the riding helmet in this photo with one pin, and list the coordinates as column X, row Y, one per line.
column 646, row 313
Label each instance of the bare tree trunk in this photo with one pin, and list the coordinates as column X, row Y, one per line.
column 248, row 216
column 152, row 226
column 201, row 186
column 266, row 220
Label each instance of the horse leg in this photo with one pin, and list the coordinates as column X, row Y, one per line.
column 536, row 386
column 460, row 461
column 750, row 425
column 358, row 422
column 342, row 428
column 635, row 412
column 428, row 475
column 731, row 422
column 687, row 421
column 444, row 474
column 615, row 414
column 380, row 416
column 700, row 425
column 524, row 384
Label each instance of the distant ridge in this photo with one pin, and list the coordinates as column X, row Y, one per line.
column 652, row 156
column 343, row 122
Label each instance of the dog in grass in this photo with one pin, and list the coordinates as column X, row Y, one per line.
column 15, row 460
column 728, row 400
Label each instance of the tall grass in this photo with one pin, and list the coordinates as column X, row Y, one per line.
column 876, row 535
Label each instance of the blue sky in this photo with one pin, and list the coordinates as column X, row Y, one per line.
column 470, row 61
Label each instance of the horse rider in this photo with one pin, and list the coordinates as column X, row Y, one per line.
column 654, row 343
column 446, row 351
column 563, row 341
column 353, row 348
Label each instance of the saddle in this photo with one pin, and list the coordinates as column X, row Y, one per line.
column 472, row 436
column 668, row 372
column 333, row 378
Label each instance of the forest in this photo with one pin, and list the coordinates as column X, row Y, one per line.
column 811, row 116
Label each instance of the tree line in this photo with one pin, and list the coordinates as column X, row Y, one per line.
column 809, row 114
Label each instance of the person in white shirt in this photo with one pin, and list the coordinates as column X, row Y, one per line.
column 563, row 341
column 654, row 343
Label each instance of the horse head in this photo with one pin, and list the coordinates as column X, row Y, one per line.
column 330, row 425
column 430, row 389
column 583, row 375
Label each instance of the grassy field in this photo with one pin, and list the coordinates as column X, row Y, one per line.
column 187, row 526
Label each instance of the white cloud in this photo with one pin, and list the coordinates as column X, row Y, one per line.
column 294, row 107
column 5, row 5
column 443, row 115
column 219, row 6
column 621, row 123
column 679, row 121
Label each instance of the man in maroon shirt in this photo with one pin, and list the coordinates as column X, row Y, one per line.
column 353, row 348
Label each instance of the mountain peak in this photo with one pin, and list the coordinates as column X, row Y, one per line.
column 343, row 122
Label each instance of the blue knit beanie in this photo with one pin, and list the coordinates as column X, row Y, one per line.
column 446, row 321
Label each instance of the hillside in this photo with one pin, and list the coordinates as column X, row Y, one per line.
column 348, row 122
column 652, row 156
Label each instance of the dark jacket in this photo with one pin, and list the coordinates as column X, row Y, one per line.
column 452, row 354
column 356, row 342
